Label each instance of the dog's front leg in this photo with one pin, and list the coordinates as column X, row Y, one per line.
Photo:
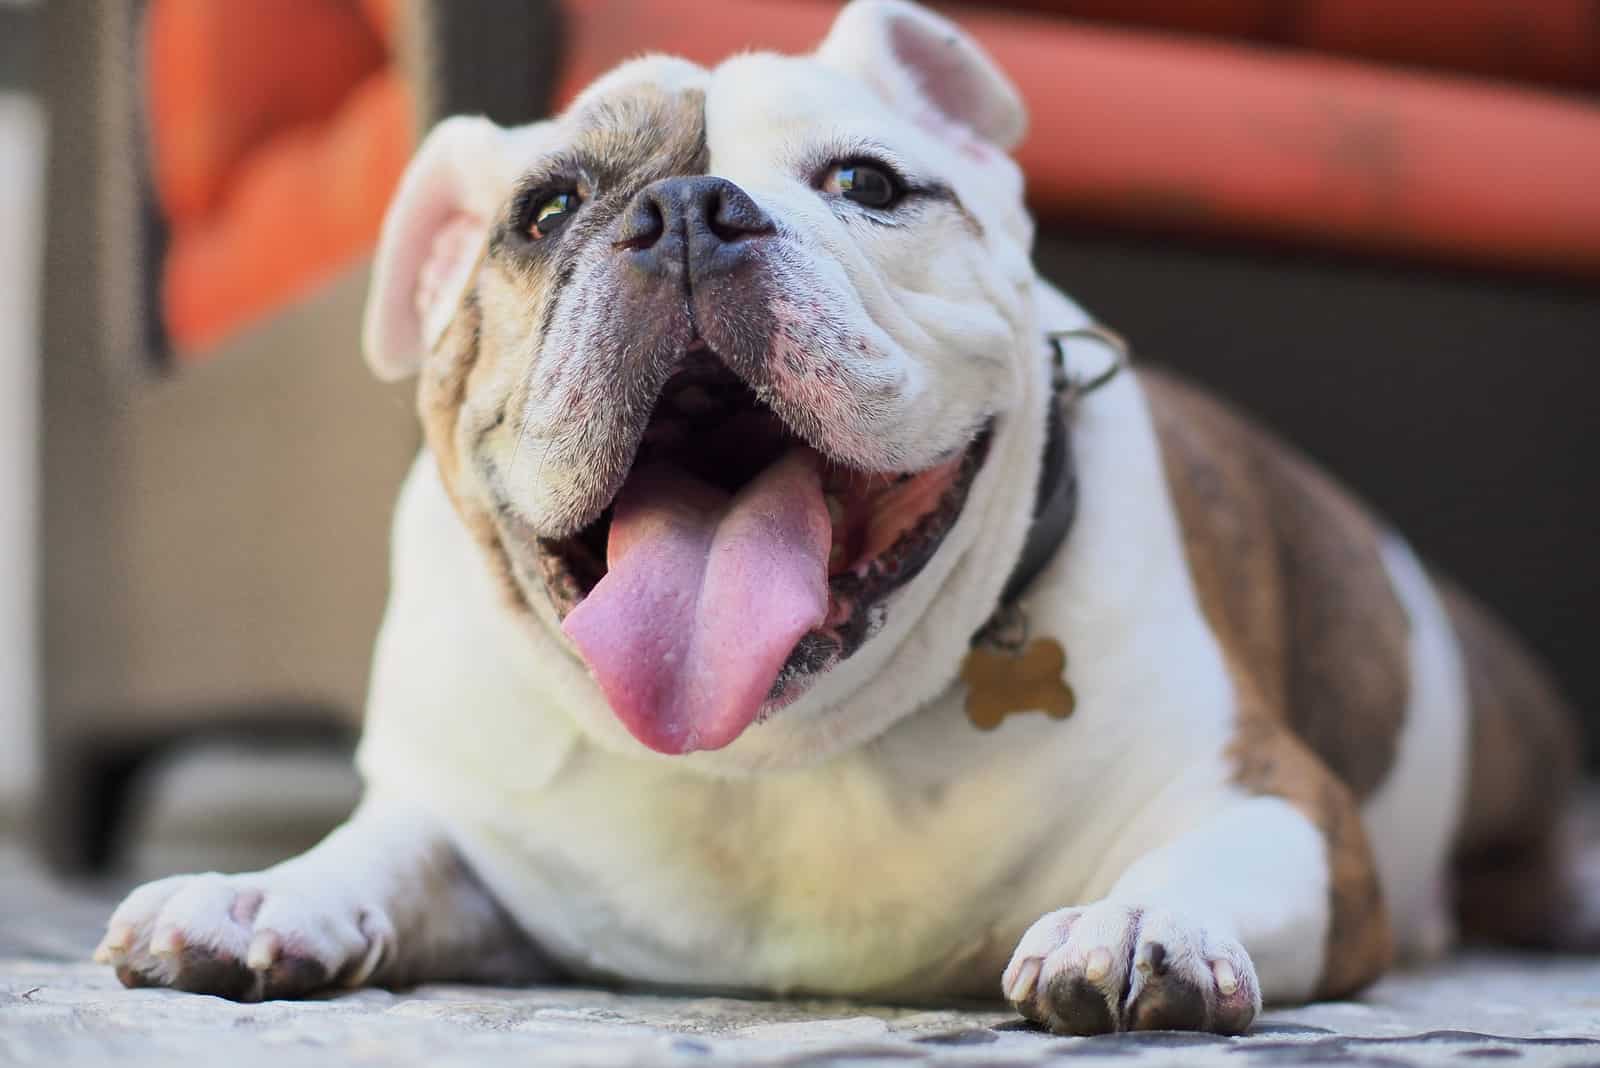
column 384, row 900
column 1270, row 896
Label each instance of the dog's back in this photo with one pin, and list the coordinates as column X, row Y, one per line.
column 1462, row 754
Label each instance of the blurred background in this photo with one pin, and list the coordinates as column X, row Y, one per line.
column 1374, row 224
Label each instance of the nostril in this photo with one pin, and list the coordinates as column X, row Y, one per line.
column 643, row 225
column 688, row 219
column 732, row 216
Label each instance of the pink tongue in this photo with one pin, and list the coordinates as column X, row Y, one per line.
column 704, row 599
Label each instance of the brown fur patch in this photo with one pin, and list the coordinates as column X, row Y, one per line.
column 1348, row 634
column 475, row 385
column 1514, row 856
column 442, row 389
column 1290, row 573
column 1271, row 760
column 1524, row 743
column 584, row 338
column 1290, row 576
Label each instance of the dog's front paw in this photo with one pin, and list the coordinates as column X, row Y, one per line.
column 1109, row 967
column 244, row 937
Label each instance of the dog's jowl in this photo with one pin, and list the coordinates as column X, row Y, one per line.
column 738, row 389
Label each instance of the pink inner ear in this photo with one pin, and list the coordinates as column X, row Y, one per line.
column 939, row 67
column 960, row 94
column 937, row 60
column 444, row 273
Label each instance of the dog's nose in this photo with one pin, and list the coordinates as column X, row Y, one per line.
column 705, row 224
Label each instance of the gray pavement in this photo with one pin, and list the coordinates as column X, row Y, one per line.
column 58, row 1009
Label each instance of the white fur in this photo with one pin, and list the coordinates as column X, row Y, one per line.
column 965, row 90
column 340, row 906
column 653, row 870
column 1413, row 817
column 455, row 182
column 1245, row 886
column 1257, row 871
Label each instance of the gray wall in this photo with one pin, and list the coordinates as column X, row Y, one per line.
column 22, row 150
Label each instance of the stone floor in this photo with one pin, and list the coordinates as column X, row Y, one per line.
column 57, row 1009
column 71, row 1013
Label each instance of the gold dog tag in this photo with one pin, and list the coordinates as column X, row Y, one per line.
column 1001, row 682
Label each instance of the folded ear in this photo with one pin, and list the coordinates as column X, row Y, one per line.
column 431, row 239
column 921, row 63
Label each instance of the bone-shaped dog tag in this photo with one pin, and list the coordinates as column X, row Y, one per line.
column 1001, row 682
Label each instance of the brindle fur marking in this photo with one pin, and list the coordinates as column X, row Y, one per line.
column 623, row 143
column 1515, row 859
column 1289, row 575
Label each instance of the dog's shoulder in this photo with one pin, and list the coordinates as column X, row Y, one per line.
column 1290, row 571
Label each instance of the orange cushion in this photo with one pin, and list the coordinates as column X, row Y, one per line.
column 1547, row 41
column 1159, row 132
column 278, row 132
column 305, row 203
column 281, row 128
column 225, row 74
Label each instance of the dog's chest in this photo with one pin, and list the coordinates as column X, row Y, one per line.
column 901, row 868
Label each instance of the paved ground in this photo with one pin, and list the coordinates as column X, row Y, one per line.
column 71, row 1013
column 56, row 1009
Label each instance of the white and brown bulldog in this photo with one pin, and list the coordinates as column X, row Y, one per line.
column 757, row 498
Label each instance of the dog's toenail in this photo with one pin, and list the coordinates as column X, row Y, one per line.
column 1158, row 958
column 1021, row 988
column 1227, row 980
column 1098, row 966
column 119, row 936
column 264, row 950
column 167, row 943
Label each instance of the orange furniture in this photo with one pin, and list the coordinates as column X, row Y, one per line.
column 1371, row 223
column 279, row 127
column 1201, row 135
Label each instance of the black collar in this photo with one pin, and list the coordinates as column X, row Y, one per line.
column 1056, row 500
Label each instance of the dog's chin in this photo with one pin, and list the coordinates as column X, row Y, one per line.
column 737, row 564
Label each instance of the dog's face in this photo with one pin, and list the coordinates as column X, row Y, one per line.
column 716, row 362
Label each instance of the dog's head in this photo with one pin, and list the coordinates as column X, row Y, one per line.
column 729, row 369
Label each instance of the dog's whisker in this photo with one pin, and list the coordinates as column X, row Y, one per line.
column 516, row 451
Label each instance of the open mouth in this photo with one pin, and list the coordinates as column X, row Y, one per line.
column 737, row 563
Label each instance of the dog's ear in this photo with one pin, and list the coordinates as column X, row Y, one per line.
column 926, row 67
column 431, row 239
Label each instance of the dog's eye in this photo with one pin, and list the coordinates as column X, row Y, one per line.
column 868, row 184
column 549, row 214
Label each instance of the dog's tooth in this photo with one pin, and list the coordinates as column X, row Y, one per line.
column 836, row 555
column 835, row 509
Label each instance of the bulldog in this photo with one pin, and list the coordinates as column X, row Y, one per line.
column 778, row 607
